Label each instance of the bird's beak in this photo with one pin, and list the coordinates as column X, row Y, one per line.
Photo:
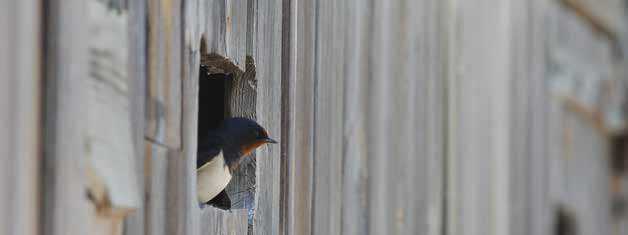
column 270, row 141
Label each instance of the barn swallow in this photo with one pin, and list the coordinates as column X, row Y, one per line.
column 220, row 155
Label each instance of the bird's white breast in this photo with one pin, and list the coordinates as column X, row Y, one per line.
column 212, row 178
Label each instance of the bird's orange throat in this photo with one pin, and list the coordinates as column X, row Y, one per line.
column 247, row 149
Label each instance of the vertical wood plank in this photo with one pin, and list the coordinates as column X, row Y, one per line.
column 163, row 102
column 481, row 140
column 530, row 206
column 301, row 173
column 109, row 133
column 354, row 165
column 267, row 57
column 288, row 70
column 382, row 216
column 135, row 223
column 435, row 117
column 20, row 121
column 65, row 207
column 156, row 188
column 539, row 210
column 327, row 127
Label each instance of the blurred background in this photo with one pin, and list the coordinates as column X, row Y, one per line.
column 439, row 117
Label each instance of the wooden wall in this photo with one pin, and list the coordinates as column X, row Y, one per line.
column 394, row 117
column 20, row 116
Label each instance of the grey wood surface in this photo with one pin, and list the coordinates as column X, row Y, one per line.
column 21, row 111
column 109, row 133
column 163, row 87
column 156, row 188
column 393, row 117
column 301, row 90
column 65, row 206
column 480, row 119
column 355, row 131
column 135, row 223
column 266, row 52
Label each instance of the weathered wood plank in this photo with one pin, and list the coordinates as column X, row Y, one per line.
column 355, row 131
column 300, row 171
column 267, row 57
column 163, row 101
column 109, row 139
column 539, row 210
column 481, row 140
column 431, row 210
column 224, row 26
column 382, row 216
column 328, row 116
column 530, row 205
column 65, row 207
column 156, row 188
column 135, row 224
column 216, row 221
column 20, row 119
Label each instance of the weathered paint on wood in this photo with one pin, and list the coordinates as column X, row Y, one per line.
column 109, row 136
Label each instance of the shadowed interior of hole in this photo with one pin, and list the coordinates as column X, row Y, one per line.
column 565, row 223
column 211, row 101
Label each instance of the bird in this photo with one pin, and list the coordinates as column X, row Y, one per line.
column 220, row 154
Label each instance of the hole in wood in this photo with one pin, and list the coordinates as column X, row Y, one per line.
column 565, row 222
column 227, row 91
column 212, row 110
column 212, row 101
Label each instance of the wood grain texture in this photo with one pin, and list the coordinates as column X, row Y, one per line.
column 530, row 203
column 135, row 223
column 480, row 200
column 109, row 135
column 21, row 119
column 267, row 56
column 288, row 70
column 242, row 103
column 327, row 118
column 355, row 131
column 216, row 221
column 163, row 102
column 299, row 220
column 156, row 188
column 65, row 207
column 394, row 117
column 538, row 210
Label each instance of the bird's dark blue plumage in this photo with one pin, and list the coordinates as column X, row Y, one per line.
column 236, row 137
column 228, row 145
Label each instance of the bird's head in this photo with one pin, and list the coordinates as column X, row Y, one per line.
column 244, row 134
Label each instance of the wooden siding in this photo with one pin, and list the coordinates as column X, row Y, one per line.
column 393, row 117
column 21, row 105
